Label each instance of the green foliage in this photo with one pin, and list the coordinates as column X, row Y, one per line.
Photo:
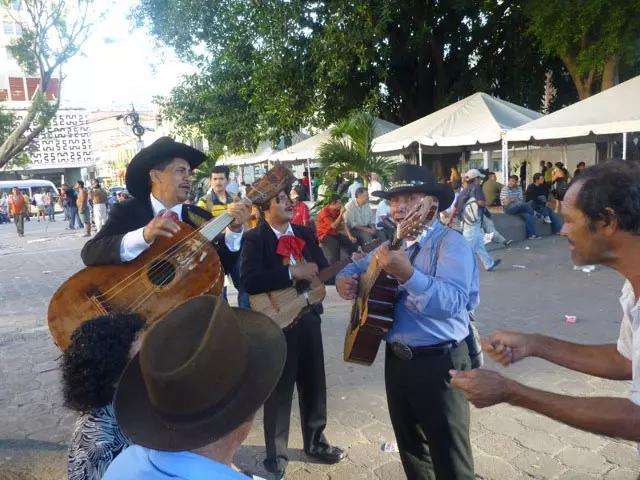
column 588, row 35
column 271, row 68
column 202, row 174
column 349, row 151
column 8, row 122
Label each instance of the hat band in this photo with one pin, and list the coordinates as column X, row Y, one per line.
column 406, row 184
column 182, row 418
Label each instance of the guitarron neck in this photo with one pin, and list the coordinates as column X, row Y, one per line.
column 216, row 226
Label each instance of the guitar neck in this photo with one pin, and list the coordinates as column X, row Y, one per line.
column 333, row 269
column 216, row 226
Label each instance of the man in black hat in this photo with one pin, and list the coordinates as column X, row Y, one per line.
column 438, row 278
column 188, row 398
column 274, row 255
column 158, row 177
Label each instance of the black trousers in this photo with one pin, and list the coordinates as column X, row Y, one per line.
column 333, row 244
column 430, row 418
column 305, row 369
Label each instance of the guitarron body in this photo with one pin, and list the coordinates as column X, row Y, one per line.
column 157, row 282
column 286, row 306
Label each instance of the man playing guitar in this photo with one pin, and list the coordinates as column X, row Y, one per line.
column 438, row 278
column 159, row 179
column 274, row 255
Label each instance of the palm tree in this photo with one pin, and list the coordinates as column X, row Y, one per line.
column 349, row 151
column 202, row 174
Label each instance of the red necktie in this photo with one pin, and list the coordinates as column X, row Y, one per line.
column 290, row 246
column 173, row 215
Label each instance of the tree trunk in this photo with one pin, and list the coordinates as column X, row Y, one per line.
column 583, row 85
column 609, row 73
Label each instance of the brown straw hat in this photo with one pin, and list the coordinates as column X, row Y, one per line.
column 202, row 371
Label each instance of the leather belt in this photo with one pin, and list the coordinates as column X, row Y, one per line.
column 405, row 352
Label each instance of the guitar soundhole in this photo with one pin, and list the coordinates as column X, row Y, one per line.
column 161, row 273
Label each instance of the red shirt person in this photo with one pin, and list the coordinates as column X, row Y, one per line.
column 329, row 220
column 301, row 214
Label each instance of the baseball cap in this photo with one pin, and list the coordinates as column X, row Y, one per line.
column 473, row 173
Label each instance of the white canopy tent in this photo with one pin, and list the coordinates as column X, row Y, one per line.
column 308, row 149
column 612, row 112
column 262, row 153
column 477, row 120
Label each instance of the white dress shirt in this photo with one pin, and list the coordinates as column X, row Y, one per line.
column 133, row 243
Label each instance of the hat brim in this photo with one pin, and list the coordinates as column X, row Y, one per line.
column 138, row 420
column 137, row 175
column 444, row 193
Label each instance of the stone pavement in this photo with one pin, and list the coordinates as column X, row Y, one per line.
column 509, row 443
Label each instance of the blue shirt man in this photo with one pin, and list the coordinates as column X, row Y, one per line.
column 438, row 278
column 434, row 303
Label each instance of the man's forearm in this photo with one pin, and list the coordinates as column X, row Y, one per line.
column 613, row 417
column 599, row 360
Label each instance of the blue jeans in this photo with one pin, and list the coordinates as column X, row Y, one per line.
column 243, row 296
column 73, row 214
column 51, row 211
column 473, row 235
column 526, row 213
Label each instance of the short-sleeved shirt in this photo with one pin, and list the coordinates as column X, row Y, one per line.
column 214, row 204
column 629, row 339
column 300, row 214
column 359, row 215
column 492, row 189
column 510, row 193
column 325, row 218
column 472, row 191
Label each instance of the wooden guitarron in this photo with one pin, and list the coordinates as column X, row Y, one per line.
column 287, row 305
column 372, row 312
column 169, row 272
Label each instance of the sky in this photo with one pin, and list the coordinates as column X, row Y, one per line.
column 120, row 65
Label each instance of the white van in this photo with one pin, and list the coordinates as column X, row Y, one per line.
column 29, row 187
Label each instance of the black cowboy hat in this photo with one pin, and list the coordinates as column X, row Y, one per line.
column 410, row 178
column 137, row 176
column 202, row 371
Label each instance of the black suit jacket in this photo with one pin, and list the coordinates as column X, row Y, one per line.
column 125, row 217
column 262, row 269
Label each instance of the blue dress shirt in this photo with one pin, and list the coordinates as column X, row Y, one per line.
column 140, row 463
column 434, row 303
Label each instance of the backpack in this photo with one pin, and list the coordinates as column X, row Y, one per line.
column 471, row 212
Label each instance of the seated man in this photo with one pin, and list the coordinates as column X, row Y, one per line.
column 513, row 204
column 361, row 221
column 188, row 398
column 536, row 197
column 383, row 212
column 330, row 218
column 491, row 189
column 99, row 351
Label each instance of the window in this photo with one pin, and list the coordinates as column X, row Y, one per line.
column 18, row 29
column 7, row 28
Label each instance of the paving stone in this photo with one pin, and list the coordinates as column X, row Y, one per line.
column 498, row 445
column 488, row 466
column 33, row 409
column 354, row 418
column 574, row 475
column 342, row 436
column 540, row 441
column 572, row 387
column 619, row 473
column 30, row 397
column 503, row 426
column 538, row 464
column 41, row 422
column 369, row 455
column 378, row 433
column 584, row 460
column 305, row 474
column 390, row 471
column 538, row 422
column 582, row 439
column 349, row 471
column 622, row 455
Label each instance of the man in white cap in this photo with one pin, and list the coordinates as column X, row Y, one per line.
column 471, row 203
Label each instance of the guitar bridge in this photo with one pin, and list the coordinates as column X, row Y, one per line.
column 97, row 300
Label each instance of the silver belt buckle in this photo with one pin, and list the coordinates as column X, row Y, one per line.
column 402, row 351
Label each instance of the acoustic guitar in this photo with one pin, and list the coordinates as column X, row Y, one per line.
column 372, row 311
column 287, row 305
column 169, row 272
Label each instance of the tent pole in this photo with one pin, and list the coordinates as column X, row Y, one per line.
column 486, row 155
column 505, row 160
column 420, row 154
column 310, row 183
column 624, row 145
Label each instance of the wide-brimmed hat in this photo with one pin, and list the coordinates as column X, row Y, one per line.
column 137, row 176
column 410, row 178
column 202, row 371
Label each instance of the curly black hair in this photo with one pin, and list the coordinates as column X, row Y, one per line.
column 95, row 359
column 611, row 189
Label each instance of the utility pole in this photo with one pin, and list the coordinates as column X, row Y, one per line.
column 132, row 119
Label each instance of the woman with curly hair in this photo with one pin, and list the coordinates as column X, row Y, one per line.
column 91, row 366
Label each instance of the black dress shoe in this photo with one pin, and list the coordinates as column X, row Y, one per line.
column 328, row 455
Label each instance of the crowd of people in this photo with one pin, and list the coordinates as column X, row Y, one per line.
column 176, row 397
